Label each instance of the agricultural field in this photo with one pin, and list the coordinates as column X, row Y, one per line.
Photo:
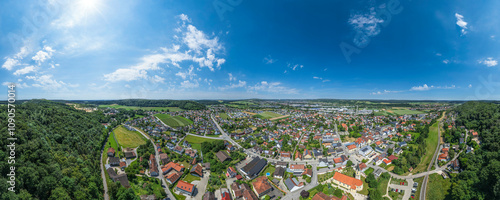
column 268, row 115
column 437, row 181
column 128, row 138
column 115, row 106
column 398, row 111
column 196, row 141
column 175, row 121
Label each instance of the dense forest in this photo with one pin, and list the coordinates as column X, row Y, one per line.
column 184, row 104
column 57, row 152
column 480, row 178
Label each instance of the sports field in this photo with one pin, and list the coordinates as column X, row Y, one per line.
column 128, row 138
column 175, row 121
column 115, row 106
column 268, row 115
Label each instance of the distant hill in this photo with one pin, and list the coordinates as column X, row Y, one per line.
column 184, row 104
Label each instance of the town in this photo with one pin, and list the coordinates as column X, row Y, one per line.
column 286, row 150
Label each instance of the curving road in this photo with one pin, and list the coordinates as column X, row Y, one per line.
column 103, row 171
column 163, row 182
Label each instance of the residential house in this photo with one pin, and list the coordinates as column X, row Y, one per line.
column 231, row 172
column 197, row 170
column 164, row 158
column 179, row 149
column 297, row 169
column 114, row 161
column 111, row 152
column 261, row 186
column 209, row 196
column 307, row 154
column 153, row 168
column 173, row 177
column 222, row 156
column 279, row 172
column 293, row 184
column 185, row 188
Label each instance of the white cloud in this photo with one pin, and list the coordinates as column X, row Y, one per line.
column 10, row 63
column 197, row 47
column 231, row 77
column 272, row 87
column 46, row 82
column 421, row 88
column 157, row 79
column 461, row 23
column 189, row 74
column 232, row 85
column 184, row 17
column 13, row 61
column 384, row 92
column 42, row 55
column 446, row 61
column 294, row 66
column 367, row 23
column 470, row 85
column 25, row 70
column 188, row 84
column 269, row 60
column 489, row 62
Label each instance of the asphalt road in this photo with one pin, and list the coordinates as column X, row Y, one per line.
column 103, row 171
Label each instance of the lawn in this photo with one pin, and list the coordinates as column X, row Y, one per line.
column 115, row 106
column 174, row 121
column 268, row 115
column 382, row 187
column 224, row 116
column 153, row 185
column 269, row 169
column 437, row 181
column 196, row 141
column 398, row 111
column 128, row 138
column 430, row 148
column 190, row 178
column 369, row 171
column 365, row 186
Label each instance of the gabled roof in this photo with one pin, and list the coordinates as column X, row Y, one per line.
column 185, row 186
column 261, row 185
column 353, row 182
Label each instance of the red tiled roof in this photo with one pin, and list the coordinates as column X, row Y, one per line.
column 185, row 186
column 347, row 180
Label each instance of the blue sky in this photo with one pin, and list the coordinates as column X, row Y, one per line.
column 220, row 49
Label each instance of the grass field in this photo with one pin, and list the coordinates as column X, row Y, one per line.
column 190, row 178
column 224, row 116
column 430, row 148
column 175, row 121
column 382, row 188
column 115, row 106
column 369, row 171
column 268, row 115
column 398, row 111
column 196, row 141
column 152, row 185
column 128, row 138
column 437, row 181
